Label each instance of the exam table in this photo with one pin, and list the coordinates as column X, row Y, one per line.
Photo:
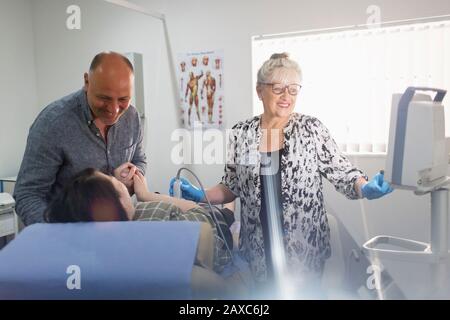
column 105, row 260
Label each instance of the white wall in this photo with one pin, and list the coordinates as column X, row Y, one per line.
column 62, row 56
column 229, row 25
column 17, row 82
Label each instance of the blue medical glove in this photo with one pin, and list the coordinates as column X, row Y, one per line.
column 376, row 187
column 188, row 191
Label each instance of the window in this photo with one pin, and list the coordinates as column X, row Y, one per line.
column 349, row 76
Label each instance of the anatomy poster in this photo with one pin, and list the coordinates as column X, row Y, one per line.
column 200, row 81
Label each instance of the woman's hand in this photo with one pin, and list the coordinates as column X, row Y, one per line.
column 188, row 190
column 124, row 173
column 376, row 188
column 140, row 186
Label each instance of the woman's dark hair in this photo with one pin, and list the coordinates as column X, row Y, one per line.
column 87, row 197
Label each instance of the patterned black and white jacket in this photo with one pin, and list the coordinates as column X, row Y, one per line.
column 309, row 153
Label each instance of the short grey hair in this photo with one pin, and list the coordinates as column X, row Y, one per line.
column 277, row 60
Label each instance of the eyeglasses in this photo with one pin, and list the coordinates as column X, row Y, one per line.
column 278, row 88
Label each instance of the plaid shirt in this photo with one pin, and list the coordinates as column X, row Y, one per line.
column 164, row 211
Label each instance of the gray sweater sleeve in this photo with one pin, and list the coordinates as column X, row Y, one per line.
column 37, row 174
column 139, row 157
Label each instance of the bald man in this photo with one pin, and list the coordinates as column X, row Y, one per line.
column 94, row 127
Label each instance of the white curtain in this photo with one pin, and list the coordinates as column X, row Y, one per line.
column 349, row 76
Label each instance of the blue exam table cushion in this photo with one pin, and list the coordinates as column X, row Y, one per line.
column 116, row 260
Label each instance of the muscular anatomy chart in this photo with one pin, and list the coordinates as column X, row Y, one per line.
column 200, row 76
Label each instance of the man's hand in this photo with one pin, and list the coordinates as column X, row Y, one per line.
column 125, row 173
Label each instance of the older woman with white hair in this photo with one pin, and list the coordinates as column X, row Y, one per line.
column 277, row 162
